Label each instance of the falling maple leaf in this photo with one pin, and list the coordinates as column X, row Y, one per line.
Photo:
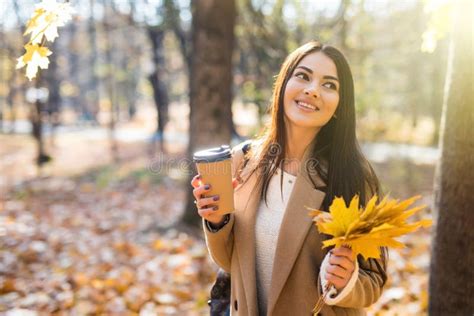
column 44, row 23
column 35, row 24
column 365, row 231
column 48, row 16
column 35, row 56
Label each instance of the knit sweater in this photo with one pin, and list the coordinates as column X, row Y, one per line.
column 267, row 227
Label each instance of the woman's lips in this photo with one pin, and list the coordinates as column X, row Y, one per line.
column 307, row 107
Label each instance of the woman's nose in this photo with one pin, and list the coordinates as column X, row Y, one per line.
column 312, row 91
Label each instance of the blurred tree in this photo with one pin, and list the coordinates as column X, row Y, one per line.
column 109, row 12
column 436, row 42
column 38, row 97
column 211, row 84
column 262, row 47
column 13, row 89
column 93, row 92
column 74, row 44
column 160, row 94
column 436, row 94
column 173, row 22
column 128, row 72
column 156, row 30
column 131, row 66
column 451, row 272
column 414, row 60
column 345, row 23
column 15, row 84
column 53, row 83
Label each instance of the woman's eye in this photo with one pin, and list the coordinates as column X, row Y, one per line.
column 330, row 85
column 302, row 75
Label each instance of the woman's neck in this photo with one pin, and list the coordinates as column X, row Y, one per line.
column 297, row 140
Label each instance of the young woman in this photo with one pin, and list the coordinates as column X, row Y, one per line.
column 308, row 155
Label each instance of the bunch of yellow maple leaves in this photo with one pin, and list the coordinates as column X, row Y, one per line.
column 365, row 231
column 43, row 25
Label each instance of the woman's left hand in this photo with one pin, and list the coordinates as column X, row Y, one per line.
column 340, row 268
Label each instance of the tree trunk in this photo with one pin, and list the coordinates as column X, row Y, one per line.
column 343, row 34
column 36, row 118
column 53, row 83
column 110, row 82
column 210, row 81
column 10, row 100
column 451, row 272
column 173, row 22
column 160, row 94
column 92, row 99
column 75, row 68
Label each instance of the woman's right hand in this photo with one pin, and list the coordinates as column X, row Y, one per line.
column 206, row 206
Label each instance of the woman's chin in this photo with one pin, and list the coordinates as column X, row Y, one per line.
column 304, row 124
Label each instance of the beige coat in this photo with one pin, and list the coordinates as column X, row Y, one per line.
column 294, row 287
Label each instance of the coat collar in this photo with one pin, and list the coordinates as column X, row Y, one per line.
column 294, row 228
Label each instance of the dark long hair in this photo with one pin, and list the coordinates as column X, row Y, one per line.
column 342, row 165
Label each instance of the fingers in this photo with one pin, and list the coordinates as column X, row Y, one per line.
column 196, row 181
column 337, row 281
column 207, row 212
column 341, row 261
column 344, row 252
column 204, row 202
column 340, row 267
column 338, row 271
column 206, row 205
column 338, row 276
column 200, row 190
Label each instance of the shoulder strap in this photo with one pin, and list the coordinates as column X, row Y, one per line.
column 245, row 149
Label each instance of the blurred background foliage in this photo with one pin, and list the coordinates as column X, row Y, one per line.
column 104, row 58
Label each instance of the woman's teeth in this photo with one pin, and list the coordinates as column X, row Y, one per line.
column 307, row 106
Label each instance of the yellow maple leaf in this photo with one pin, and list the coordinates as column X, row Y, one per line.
column 342, row 217
column 44, row 23
column 48, row 16
column 35, row 56
column 35, row 21
column 365, row 231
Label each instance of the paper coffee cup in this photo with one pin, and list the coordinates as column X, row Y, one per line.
column 215, row 167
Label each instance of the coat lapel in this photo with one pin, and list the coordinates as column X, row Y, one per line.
column 293, row 230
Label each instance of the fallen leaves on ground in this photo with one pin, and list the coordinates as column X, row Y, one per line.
column 69, row 247
column 406, row 292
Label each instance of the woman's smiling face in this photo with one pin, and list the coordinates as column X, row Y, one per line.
column 312, row 92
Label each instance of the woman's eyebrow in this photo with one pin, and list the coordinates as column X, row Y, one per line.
column 331, row 78
column 324, row 77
